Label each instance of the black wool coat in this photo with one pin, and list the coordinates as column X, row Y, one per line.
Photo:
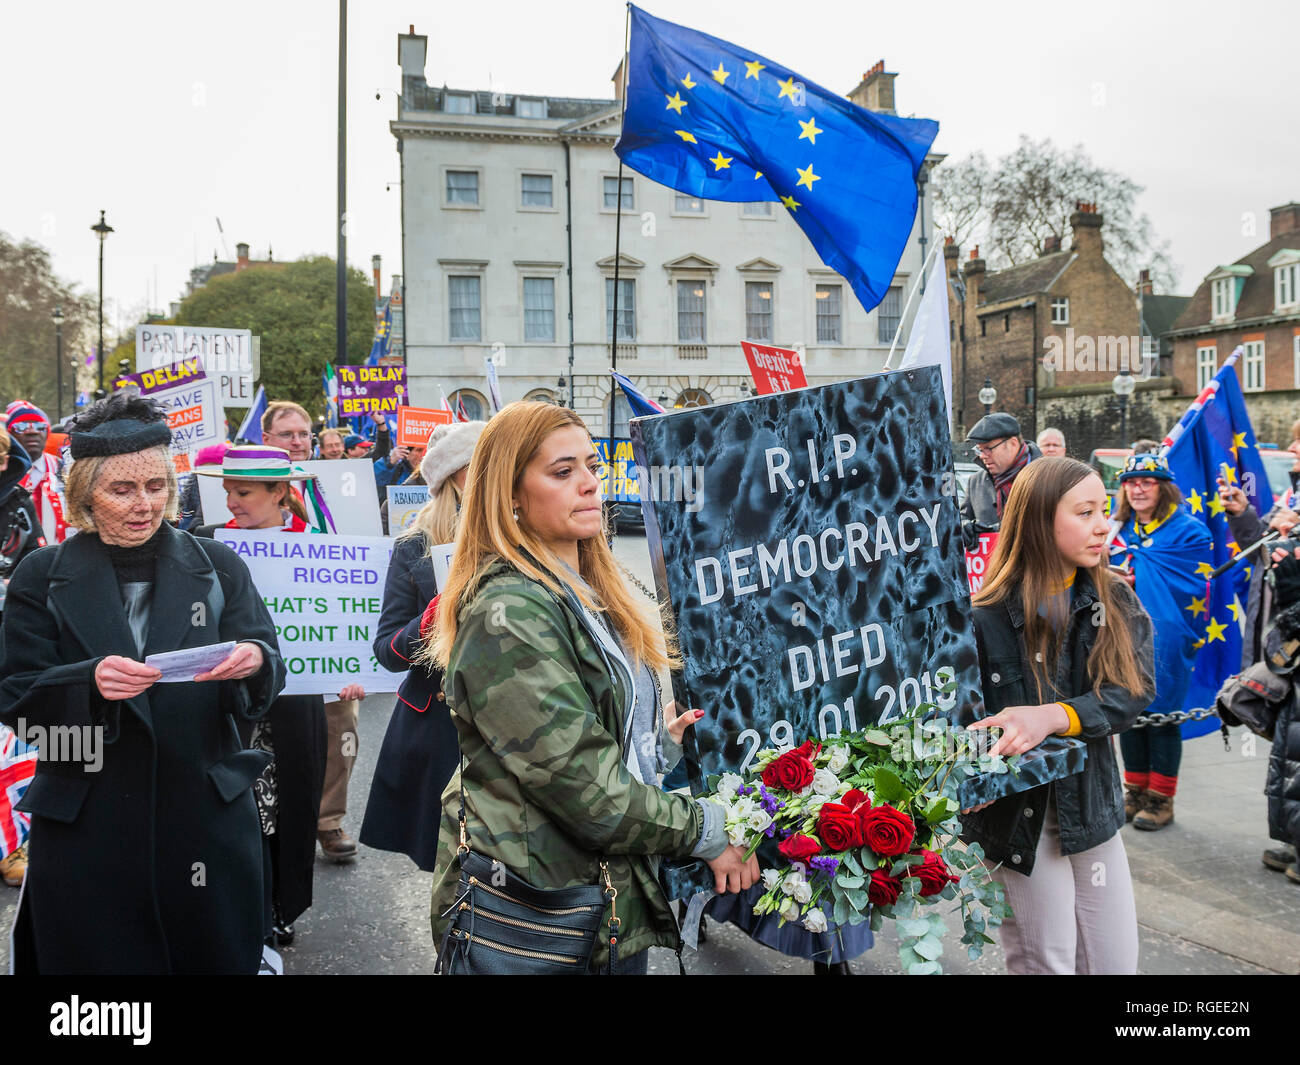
column 153, row 862
column 420, row 749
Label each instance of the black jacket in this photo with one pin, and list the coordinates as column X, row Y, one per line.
column 1283, row 783
column 420, row 748
column 153, row 863
column 979, row 510
column 20, row 526
column 1090, row 805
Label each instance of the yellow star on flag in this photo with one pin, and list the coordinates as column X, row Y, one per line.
column 1197, row 502
column 752, row 69
column 757, row 174
column 1216, row 505
column 721, row 74
column 1230, row 474
column 721, row 162
column 1238, row 441
column 806, row 176
column 1235, row 607
column 686, row 81
column 790, row 202
column 383, row 328
column 1196, row 606
column 1214, row 631
column 787, row 88
column 676, row 103
column 1204, row 569
column 689, row 138
column 809, row 128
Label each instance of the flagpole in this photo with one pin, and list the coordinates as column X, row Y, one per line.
column 618, row 234
column 925, row 268
column 1206, row 394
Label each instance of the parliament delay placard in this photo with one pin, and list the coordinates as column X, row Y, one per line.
column 812, row 560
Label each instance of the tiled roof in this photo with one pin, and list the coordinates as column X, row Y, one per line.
column 1159, row 312
column 1027, row 279
column 1256, row 294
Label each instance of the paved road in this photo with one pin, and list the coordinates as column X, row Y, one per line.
column 1205, row 902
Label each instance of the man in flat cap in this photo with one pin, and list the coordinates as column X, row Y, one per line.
column 1004, row 453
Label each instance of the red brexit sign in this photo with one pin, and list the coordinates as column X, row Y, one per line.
column 977, row 561
column 774, row 369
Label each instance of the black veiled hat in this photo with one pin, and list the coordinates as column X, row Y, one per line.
column 119, row 425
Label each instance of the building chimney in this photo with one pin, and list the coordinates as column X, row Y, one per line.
column 241, row 257
column 375, row 263
column 1051, row 245
column 1086, row 226
column 617, row 78
column 411, row 48
column 1144, row 283
column 1284, row 219
column 973, row 272
column 876, row 90
column 951, row 253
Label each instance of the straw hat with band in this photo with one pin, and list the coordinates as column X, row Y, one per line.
column 258, row 462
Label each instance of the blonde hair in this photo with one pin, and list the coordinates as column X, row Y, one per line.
column 282, row 406
column 438, row 518
column 1027, row 559
column 489, row 532
column 79, row 487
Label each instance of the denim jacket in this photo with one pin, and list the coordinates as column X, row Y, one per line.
column 1090, row 804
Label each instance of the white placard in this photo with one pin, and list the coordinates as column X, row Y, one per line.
column 325, row 595
column 441, row 555
column 405, row 501
column 348, row 486
column 193, row 415
column 227, row 355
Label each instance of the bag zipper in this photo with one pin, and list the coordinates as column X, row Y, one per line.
column 539, row 954
column 475, row 882
column 516, row 922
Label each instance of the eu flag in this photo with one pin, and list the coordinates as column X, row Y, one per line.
column 1216, row 432
column 708, row 118
column 383, row 336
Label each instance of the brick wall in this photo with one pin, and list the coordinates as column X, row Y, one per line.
column 1279, row 354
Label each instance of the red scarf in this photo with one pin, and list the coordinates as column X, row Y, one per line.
column 1002, row 481
column 45, row 497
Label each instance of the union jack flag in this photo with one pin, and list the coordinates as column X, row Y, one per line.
column 17, row 767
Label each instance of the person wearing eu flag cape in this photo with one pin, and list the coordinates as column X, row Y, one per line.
column 1163, row 546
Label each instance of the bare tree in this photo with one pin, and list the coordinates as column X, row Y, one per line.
column 1029, row 196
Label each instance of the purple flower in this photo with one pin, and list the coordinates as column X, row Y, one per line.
column 770, row 831
column 824, row 863
column 744, row 789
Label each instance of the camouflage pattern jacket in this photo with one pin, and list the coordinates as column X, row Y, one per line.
column 547, row 792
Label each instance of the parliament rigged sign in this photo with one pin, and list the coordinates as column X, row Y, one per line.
column 815, row 572
column 325, row 594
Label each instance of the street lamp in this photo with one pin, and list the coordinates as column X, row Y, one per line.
column 988, row 395
column 559, row 388
column 101, row 229
column 1123, row 384
column 58, row 361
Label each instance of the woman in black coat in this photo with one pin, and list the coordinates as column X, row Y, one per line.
column 146, row 855
column 420, row 749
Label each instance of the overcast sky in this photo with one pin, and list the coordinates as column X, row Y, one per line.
column 169, row 115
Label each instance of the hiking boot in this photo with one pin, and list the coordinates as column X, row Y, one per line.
column 337, row 845
column 14, row 867
column 1157, row 812
column 1279, row 858
column 1134, row 799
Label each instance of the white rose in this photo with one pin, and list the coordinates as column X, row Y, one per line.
column 825, row 782
column 793, row 878
column 728, row 784
column 790, row 910
column 803, row 892
column 815, row 921
column 814, row 804
column 839, row 759
column 736, row 834
column 758, row 820
column 743, row 807
column 771, row 877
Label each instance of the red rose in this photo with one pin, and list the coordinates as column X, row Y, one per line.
column 838, row 826
column 883, row 889
column 792, row 770
column 932, row 873
column 859, row 804
column 887, row 831
column 799, row 848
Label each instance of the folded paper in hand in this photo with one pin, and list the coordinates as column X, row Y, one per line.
column 189, row 662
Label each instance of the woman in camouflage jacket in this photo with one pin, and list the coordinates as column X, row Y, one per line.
column 552, row 781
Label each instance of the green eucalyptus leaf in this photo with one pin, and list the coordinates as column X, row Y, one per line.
column 929, row 947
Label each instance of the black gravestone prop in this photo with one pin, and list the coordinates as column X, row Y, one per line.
column 808, row 546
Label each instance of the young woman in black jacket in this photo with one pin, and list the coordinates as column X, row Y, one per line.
column 1065, row 649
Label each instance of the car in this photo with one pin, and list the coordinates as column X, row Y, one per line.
column 1277, row 464
column 965, row 471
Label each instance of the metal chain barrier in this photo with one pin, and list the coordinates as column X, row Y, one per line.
column 1176, row 718
column 633, row 578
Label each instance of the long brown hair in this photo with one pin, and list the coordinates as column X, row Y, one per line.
column 1027, row 561
column 489, row 532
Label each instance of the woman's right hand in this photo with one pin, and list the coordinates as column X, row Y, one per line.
column 120, row 678
column 732, row 872
column 1233, row 498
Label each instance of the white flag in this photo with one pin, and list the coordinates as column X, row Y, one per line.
column 494, row 388
column 929, row 343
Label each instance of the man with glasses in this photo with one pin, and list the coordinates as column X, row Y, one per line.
column 1004, row 453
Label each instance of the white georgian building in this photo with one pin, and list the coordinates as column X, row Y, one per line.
column 489, row 185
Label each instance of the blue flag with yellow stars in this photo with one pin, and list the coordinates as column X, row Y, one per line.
column 1219, row 433
column 383, row 336
column 713, row 120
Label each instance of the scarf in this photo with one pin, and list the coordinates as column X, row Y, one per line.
column 42, row 484
column 1002, row 481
